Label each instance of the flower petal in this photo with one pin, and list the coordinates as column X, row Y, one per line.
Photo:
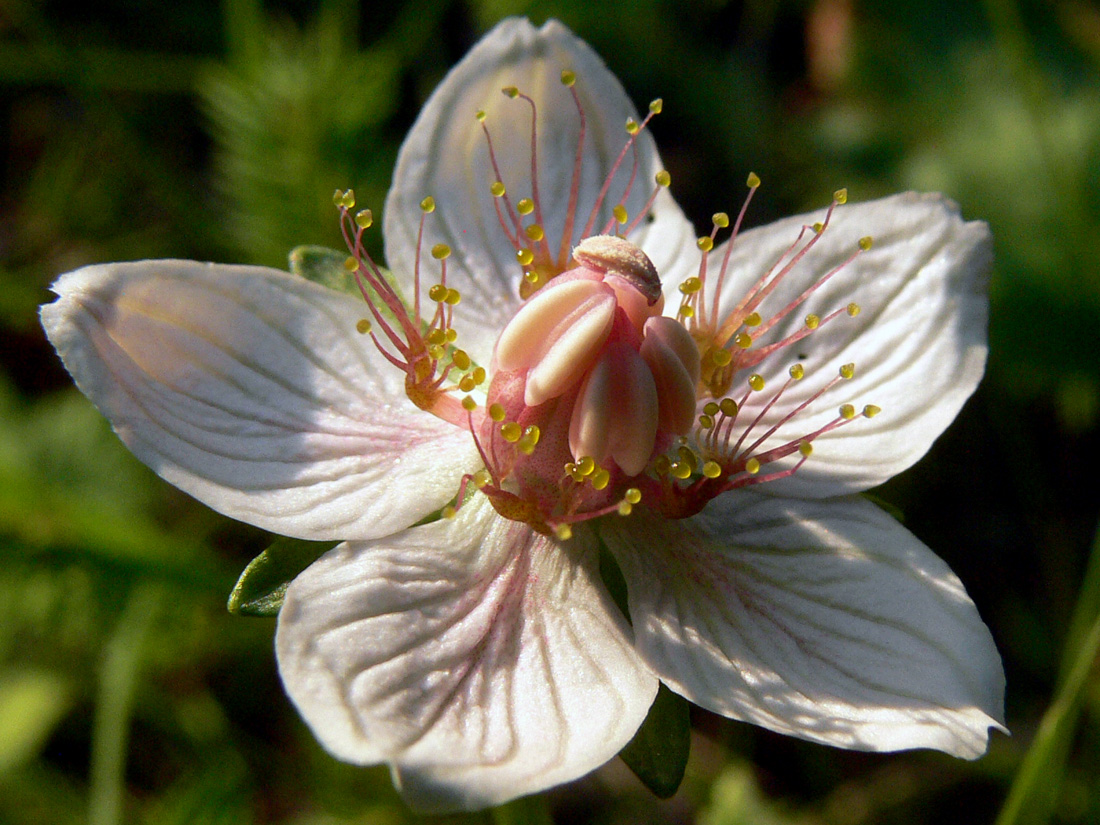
column 480, row 659
column 822, row 619
column 919, row 342
column 446, row 156
column 251, row 390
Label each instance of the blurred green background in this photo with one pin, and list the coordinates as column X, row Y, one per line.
column 219, row 130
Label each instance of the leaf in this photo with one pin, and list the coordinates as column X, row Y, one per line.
column 658, row 753
column 260, row 589
column 323, row 266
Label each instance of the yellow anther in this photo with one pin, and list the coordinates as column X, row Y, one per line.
column 600, row 479
column 531, row 276
column 436, row 351
column 691, row 285
column 687, row 311
column 721, row 219
column 728, row 407
column 478, row 375
column 451, row 335
column 437, row 337
column 632, row 126
column 743, row 340
column 752, row 466
column 620, row 213
column 338, row 197
column 461, row 359
column 756, row 381
column 705, row 243
column 572, row 471
column 848, row 412
column 428, row 205
column 347, row 199
column 712, row 469
column 847, row 371
column 364, row 218
column 754, row 180
column 568, row 78
column 797, row 371
column 865, row 242
column 812, row 321
column 721, row 357
column 689, row 458
column 534, row 232
column 496, row 412
column 564, row 532
column 511, row 431
column 818, row 227
column 351, row 264
column 466, row 383
column 840, row 196
column 632, row 495
column 754, row 320
column 625, row 508
column 453, row 296
column 511, row 91
column 680, row 470
column 525, row 206
column 711, row 408
column 532, row 433
column 480, row 115
column 441, row 251
column 662, row 178
column 496, row 189
column 586, row 466
column 805, row 448
column 481, row 478
column 448, row 512
column 468, row 403
column 854, row 310
column 525, row 256
column 362, row 326
column 438, row 293
column 661, row 465
column 706, row 421
column 870, row 411
column 656, row 105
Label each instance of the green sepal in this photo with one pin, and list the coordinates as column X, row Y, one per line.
column 658, row 753
column 323, row 266
column 261, row 588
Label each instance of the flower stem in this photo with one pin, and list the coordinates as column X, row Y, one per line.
column 1034, row 793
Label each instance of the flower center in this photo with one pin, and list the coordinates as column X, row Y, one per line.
column 597, row 402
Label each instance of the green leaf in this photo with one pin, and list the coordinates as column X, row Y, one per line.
column 658, row 753
column 261, row 588
column 323, row 266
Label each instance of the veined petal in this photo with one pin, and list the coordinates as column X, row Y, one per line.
column 482, row 660
column 919, row 342
column 445, row 156
column 825, row 620
column 251, row 390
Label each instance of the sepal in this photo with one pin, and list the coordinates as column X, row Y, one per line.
column 261, row 588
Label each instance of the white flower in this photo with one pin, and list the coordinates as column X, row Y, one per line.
column 480, row 654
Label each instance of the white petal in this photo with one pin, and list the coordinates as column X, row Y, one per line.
column 821, row 619
column 482, row 660
column 446, row 156
column 250, row 389
column 919, row 344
